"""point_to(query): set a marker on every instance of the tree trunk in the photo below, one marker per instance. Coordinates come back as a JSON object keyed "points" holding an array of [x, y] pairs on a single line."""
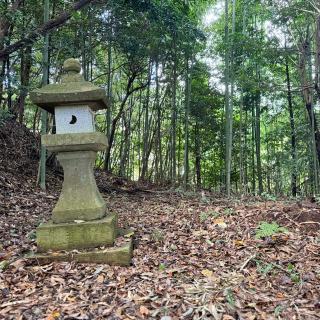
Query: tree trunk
{"points": [[174, 120], [253, 150], [317, 57], [242, 186], [126, 141], [186, 126], [158, 146], [145, 154], [293, 133], [109, 95], [258, 143], [305, 78], [24, 83], [197, 149], [228, 105], [44, 116]]}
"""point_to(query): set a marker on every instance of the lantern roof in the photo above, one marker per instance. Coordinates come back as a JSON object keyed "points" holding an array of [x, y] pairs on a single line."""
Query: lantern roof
{"points": [[72, 90]]}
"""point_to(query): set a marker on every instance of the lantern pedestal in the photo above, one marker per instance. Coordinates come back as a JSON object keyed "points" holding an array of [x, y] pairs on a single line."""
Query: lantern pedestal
{"points": [[80, 198], [79, 219]]}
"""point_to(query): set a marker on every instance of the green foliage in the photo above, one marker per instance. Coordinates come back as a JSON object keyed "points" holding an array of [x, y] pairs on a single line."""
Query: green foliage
{"points": [[157, 235], [268, 197], [278, 310], [32, 235], [139, 34], [293, 273], [230, 297], [5, 115], [264, 268], [266, 229], [162, 267], [205, 215], [4, 265], [229, 212]]}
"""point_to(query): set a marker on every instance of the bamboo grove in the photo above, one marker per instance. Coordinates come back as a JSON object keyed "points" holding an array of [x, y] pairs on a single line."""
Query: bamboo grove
{"points": [[219, 95]]}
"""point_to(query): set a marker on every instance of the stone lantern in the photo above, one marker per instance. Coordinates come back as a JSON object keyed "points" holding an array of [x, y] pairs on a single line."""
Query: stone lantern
{"points": [[79, 219]]}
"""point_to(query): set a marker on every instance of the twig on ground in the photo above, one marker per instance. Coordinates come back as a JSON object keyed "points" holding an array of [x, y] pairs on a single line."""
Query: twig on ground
{"points": [[247, 261]]}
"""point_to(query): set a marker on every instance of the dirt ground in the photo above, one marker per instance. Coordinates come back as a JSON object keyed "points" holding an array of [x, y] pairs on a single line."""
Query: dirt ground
{"points": [[196, 257]]}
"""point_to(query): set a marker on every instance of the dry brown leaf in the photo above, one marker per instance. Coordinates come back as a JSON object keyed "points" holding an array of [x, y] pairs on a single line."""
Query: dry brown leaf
{"points": [[144, 310], [207, 273], [100, 278]]}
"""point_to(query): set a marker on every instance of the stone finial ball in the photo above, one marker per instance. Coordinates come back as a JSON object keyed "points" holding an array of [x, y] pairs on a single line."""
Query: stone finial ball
{"points": [[72, 65]]}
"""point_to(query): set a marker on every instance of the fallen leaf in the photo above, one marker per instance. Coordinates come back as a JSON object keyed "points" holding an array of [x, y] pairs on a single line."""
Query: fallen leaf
{"points": [[239, 243], [54, 315], [220, 222], [207, 273], [144, 310], [100, 278]]}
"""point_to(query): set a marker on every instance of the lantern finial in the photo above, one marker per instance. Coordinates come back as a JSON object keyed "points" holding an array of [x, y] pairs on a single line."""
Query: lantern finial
{"points": [[72, 65]]}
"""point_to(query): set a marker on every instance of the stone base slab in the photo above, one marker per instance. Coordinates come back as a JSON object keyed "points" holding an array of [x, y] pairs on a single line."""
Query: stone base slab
{"points": [[77, 235], [119, 256]]}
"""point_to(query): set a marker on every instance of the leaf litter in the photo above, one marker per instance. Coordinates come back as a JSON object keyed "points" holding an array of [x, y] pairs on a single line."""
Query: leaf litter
{"points": [[196, 255], [184, 267]]}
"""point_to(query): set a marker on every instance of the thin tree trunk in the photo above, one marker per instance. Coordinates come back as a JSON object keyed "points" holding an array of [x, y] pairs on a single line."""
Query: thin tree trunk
{"points": [[197, 149], [174, 120], [228, 105], [145, 154], [243, 186], [9, 88], [317, 57], [253, 150], [126, 140], [293, 133], [186, 126], [158, 149], [44, 116], [305, 76], [139, 136], [258, 143], [179, 145], [241, 145], [246, 180], [107, 165], [2, 77], [24, 82]]}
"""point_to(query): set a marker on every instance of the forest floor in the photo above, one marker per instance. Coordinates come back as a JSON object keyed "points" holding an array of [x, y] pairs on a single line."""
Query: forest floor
{"points": [[196, 255]]}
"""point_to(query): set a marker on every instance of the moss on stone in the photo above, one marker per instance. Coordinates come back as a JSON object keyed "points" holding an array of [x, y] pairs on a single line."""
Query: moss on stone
{"points": [[77, 235], [89, 141]]}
